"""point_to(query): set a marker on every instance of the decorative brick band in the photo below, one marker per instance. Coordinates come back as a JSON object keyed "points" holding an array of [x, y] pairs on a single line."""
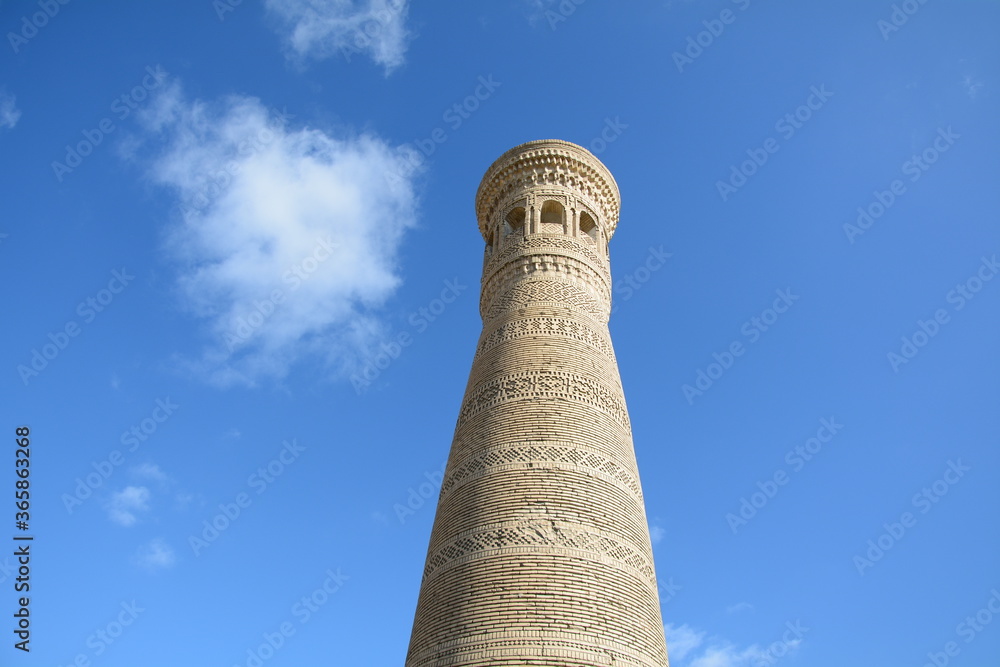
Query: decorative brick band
{"points": [[545, 267], [532, 536], [542, 243], [546, 326], [551, 293], [539, 455], [545, 384]]}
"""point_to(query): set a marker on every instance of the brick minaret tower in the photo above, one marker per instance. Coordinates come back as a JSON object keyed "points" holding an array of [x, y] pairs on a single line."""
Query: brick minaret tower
{"points": [[540, 552]]}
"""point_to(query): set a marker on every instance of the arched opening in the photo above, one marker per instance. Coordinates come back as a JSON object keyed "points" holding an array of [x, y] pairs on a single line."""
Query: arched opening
{"points": [[515, 221], [553, 217], [588, 227]]}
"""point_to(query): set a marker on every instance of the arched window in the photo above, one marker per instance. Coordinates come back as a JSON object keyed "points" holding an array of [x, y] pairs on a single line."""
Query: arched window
{"points": [[515, 221], [588, 227], [553, 217]]}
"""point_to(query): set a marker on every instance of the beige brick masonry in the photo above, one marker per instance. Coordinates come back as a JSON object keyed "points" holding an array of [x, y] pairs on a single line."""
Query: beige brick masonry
{"points": [[540, 551]]}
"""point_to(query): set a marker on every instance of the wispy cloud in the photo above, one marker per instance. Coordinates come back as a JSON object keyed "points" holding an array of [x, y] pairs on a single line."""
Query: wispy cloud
{"points": [[726, 655], [9, 113], [319, 29], [738, 607], [156, 555], [656, 534], [125, 505], [682, 640], [150, 471], [289, 240], [691, 647]]}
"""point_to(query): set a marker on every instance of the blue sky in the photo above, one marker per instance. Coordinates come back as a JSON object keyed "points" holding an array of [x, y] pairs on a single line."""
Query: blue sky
{"points": [[243, 269]]}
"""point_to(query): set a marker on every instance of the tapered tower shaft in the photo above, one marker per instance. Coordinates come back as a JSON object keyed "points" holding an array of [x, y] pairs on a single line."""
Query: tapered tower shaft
{"points": [[540, 552]]}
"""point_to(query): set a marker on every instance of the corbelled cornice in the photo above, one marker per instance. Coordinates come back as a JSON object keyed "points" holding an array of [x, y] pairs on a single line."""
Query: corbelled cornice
{"points": [[549, 162]]}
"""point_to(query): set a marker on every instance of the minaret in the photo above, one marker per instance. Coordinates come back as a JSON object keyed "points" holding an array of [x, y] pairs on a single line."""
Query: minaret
{"points": [[540, 551]]}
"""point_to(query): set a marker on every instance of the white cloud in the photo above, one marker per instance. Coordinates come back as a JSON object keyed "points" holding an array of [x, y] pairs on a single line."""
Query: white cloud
{"points": [[681, 640], [320, 29], [126, 504], [726, 655], [688, 647], [656, 534], [156, 555], [150, 471], [269, 210], [9, 113]]}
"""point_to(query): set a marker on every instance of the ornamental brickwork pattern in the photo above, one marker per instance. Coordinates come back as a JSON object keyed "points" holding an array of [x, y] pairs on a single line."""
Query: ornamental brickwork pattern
{"points": [[540, 551]]}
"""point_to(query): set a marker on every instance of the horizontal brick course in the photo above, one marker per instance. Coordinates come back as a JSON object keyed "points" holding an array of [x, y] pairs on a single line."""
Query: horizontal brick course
{"points": [[540, 551]]}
